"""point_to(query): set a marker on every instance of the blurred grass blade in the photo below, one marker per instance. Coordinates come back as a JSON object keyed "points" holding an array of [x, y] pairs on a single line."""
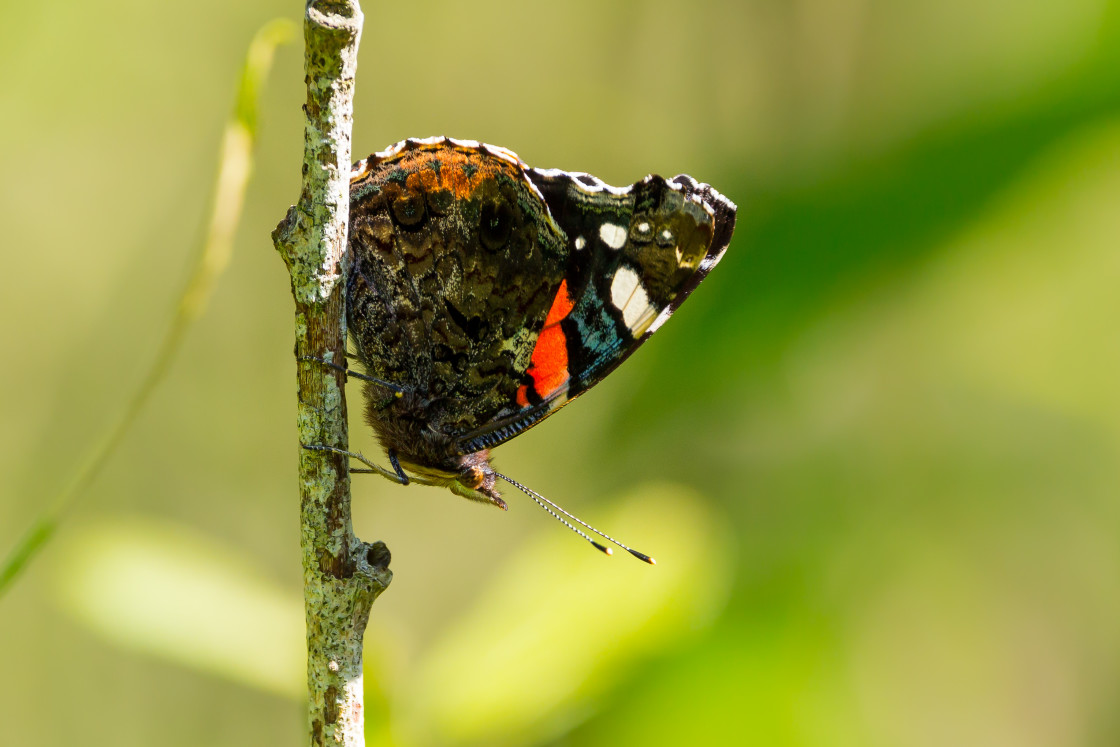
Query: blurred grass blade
{"points": [[35, 537], [212, 257]]}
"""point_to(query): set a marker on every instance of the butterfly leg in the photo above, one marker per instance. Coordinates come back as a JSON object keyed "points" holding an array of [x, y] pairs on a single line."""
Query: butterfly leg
{"points": [[397, 476], [397, 467], [397, 391]]}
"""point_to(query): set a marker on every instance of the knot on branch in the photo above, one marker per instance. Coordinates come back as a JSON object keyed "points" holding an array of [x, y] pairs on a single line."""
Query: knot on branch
{"points": [[308, 251], [378, 555], [371, 569], [372, 560], [285, 236]]}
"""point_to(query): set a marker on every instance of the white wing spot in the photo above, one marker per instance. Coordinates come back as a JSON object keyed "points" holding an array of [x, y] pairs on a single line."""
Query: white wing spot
{"points": [[580, 242], [612, 235], [623, 284], [629, 297]]}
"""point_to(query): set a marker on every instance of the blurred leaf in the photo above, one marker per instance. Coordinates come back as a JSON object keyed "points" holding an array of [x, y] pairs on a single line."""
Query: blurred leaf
{"points": [[953, 652], [758, 678], [1030, 296], [561, 624], [161, 590], [1012, 325]]}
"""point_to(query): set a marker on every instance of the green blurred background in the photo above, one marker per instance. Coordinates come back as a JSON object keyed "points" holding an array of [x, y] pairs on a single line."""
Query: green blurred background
{"points": [[875, 454]]}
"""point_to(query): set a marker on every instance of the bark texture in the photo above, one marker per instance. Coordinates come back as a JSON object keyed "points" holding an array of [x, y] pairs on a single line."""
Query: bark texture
{"points": [[342, 575]]}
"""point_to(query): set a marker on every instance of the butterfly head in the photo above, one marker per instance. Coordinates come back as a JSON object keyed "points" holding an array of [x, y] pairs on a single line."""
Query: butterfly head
{"points": [[476, 480], [469, 476]]}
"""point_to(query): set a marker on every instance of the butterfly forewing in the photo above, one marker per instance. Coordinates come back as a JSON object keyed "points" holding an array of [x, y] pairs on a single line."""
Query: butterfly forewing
{"points": [[634, 254]]}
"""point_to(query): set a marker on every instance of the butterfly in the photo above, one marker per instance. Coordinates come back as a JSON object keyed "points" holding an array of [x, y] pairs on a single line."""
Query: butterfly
{"points": [[482, 295]]}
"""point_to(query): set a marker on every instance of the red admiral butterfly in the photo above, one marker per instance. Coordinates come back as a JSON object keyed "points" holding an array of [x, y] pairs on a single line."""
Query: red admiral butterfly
{"points": [[483, 295]]}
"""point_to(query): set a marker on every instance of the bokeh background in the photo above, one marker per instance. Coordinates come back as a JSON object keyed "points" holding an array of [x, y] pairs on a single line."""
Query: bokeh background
{"points": [[875, 453]]}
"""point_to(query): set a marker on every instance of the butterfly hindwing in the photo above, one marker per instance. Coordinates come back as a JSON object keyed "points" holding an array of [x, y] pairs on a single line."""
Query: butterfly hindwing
{"points": [[634, 255], [454, 262]]}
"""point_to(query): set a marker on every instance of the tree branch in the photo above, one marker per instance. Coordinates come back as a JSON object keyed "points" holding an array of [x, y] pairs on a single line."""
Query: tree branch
{"points": [[342, 576]]}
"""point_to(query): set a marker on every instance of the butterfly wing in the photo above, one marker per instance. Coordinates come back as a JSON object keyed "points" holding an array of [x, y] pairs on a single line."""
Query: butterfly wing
{"points": [[634, 255], [454, 262]]}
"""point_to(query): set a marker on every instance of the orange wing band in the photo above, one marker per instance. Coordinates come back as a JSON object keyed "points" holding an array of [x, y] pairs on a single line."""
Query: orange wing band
{"points": [[549, 364]]}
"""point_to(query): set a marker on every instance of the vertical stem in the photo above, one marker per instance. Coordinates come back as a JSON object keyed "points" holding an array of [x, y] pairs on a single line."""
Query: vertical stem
{"points": [[342, 576]]}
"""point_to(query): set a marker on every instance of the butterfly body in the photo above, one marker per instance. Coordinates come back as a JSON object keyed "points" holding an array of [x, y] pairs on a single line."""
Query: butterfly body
{"points": [[490, 294]]}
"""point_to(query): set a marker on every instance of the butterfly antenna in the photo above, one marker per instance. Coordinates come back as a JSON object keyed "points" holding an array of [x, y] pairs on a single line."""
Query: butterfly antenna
{"points": [[541, 501]]}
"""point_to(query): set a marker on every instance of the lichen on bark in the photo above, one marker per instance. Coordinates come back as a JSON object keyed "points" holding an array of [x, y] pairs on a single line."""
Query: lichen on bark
{"points": [[342, 575]]}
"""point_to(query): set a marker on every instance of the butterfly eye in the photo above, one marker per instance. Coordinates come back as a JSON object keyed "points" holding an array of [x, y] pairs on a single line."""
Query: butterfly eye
{"points": [[497, 221], [472, 477]]}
